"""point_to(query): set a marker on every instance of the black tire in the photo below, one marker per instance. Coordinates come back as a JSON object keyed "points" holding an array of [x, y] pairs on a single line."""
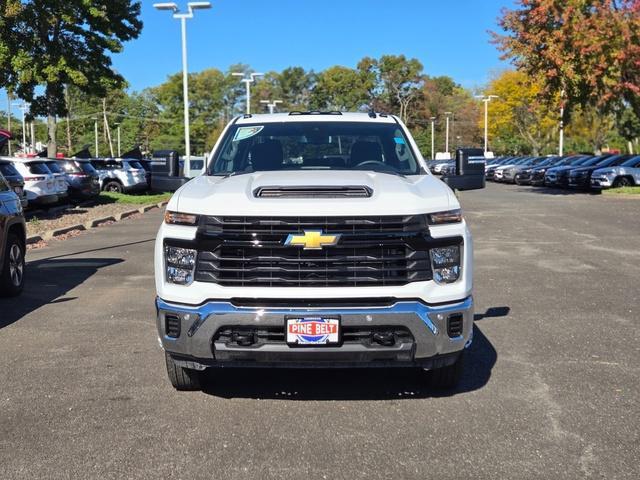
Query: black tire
{"points": [[182, 379], [13, 267], [113, 186], [446, 378], [622, 182]]}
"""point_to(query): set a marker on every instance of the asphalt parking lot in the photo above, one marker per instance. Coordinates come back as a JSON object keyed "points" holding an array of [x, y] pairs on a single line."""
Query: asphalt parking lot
{"points": [[551, 388]]}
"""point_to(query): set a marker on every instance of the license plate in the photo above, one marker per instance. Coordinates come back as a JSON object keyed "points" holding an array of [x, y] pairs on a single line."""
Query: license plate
{"points": [[313, 331]]}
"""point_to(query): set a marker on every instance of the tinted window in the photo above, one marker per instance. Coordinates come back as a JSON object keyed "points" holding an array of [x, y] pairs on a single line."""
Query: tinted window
{"points": [[315, 146], [4, 186], [38, 168], [8, 170], [136, 165], [54, 167], [87, 168], [69, 167]]}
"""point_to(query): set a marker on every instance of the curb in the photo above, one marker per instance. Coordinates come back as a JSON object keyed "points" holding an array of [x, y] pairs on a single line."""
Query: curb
{"points": [[48, 235]]}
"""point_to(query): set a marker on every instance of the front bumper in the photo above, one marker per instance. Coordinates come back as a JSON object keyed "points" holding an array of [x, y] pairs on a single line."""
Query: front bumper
{"points": [[579, 182], [200, 343], [601, 182]]}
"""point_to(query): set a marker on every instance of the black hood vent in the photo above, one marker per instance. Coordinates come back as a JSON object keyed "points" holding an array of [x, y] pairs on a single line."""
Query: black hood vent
{"points": [[357, 191]]}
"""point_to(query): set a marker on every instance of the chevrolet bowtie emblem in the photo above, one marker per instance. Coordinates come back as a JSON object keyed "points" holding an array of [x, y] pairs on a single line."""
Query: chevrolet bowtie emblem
{"points": [[312, 240]]}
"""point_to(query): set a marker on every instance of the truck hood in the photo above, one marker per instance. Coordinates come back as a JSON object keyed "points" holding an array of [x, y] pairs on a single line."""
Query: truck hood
{"points": [[391, 194]]}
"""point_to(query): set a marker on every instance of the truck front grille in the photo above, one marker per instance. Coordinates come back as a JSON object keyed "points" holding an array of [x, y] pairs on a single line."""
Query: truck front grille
{"points": [[372, 251]]}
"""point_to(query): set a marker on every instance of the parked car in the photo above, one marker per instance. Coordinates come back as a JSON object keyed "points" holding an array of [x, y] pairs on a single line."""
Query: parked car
{"points": [[83, 179], [509, 173], [524, 175], [436, 165], [146, 164], [12, 241], [581, 177], [538, 173], [62, 186], [491, 170], [498, 174], [624, 175], [14, 179], [120, 175], [559, 176], [39, 182]]}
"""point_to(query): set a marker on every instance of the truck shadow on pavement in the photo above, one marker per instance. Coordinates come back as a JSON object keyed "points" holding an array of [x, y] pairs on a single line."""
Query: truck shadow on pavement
{"points": [[354, 384], [46, 281]]}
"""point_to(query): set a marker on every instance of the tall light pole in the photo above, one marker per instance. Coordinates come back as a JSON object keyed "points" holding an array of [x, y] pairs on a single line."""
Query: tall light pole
{"points": [[118, 129], [446, 143], [248, 81], [24, 107], [433, 138], [271, 105], [486, 99], [171, 6], [95, 131], [9, 118], [561, 145]]}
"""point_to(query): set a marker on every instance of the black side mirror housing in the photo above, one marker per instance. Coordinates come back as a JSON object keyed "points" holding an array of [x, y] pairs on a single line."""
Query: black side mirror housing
{"points": [[470, 165]]}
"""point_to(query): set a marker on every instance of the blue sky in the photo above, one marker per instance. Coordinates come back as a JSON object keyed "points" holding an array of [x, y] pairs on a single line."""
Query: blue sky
{"points": [[448, 37]]}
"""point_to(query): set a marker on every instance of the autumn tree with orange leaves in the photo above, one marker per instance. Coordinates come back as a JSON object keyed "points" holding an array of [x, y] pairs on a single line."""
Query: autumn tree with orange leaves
{"points": [[586, 51]]}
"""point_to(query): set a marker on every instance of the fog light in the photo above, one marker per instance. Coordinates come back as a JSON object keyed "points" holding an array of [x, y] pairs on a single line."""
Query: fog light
{"points": [[181, 276], [447, 274]]}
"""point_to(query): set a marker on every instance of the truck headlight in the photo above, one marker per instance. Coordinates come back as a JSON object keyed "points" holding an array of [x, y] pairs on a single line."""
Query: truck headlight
{"points": [[445, 263], [177, 218], [180, 264], [450, 216]]}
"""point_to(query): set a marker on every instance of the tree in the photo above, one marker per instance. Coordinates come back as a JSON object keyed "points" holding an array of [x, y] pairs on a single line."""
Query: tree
{"points": [[339, 88], [520, 123], [586, 51], [56, 43], [394, 81]]}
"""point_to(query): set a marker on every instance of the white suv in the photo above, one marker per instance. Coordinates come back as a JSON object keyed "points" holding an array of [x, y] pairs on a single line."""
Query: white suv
{"points": [[120, 175], [40, 184], [315, 239]]}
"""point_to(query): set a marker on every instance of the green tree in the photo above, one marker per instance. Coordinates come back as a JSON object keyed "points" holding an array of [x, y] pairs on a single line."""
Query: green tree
{"points": [[55, 43], [339, 88]]}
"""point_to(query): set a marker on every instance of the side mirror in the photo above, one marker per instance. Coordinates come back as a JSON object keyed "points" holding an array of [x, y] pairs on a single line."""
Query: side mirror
{"points": [[470, 168]]}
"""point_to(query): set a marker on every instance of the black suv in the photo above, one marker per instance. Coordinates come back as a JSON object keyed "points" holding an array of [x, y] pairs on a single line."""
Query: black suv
{"points": [[12, 241]]}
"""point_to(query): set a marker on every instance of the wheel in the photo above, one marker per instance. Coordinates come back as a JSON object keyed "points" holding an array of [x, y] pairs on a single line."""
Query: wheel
{"points": [[113, 186], [446, 378], [12, 275], [621, 182], [182, 379]]}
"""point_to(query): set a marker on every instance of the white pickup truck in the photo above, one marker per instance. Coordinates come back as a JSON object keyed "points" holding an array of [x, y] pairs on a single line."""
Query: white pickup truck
{"points": [[314, 239]]}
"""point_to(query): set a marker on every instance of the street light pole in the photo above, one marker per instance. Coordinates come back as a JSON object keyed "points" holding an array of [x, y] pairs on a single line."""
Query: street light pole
{"points": [[486, 99], [271, 105], [433, 138], [118, 127], [95, 129], [446, 148], [248, 81], [185, 75], [561, 145], [23, 106]]}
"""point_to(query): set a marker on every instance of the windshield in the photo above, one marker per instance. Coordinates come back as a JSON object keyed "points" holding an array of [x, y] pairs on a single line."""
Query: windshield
{"points": [[632, 162], [315, 146]]}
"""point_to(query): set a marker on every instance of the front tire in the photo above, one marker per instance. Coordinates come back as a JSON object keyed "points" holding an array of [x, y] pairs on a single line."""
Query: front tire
{"points": [[621, 182], [12, 275], [447, 378], [182, 379]]}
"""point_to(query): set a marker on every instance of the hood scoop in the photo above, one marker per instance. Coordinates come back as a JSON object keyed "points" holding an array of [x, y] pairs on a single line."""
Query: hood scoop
{"points": [[329, 191]]}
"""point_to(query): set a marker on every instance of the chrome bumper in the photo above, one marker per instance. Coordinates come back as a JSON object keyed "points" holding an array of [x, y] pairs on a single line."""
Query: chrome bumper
{"points": [[199, 325]]}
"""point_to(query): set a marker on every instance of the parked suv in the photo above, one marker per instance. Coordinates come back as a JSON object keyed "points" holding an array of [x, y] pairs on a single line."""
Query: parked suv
{"points": [[315, 239], [14, 179], [39, 182], [626, 174], [118, 175], [62, 186], [12, 241], [83, 179]]}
